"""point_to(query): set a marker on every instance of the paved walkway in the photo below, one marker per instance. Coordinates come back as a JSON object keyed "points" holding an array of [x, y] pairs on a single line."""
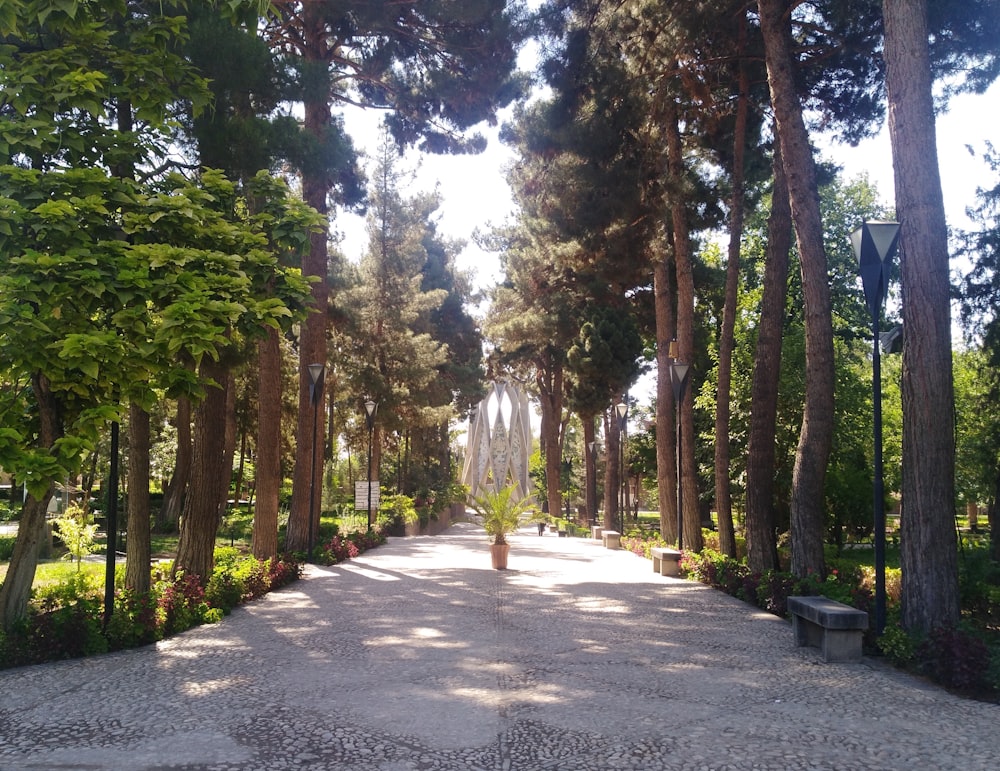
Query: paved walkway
{"points": [[418, 657]]}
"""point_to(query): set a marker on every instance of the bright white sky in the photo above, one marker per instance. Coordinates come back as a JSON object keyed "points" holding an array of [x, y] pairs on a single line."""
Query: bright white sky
{"points": [[475, 194]]}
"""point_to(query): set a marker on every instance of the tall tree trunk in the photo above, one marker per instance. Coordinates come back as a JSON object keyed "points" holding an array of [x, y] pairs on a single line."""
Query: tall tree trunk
{"points": [[31, 531], [816, 435], [312, 344], [267, 470], [590, 471], [137, 546], [992, 517], [206, 498], [173, 496], [723, 495], [762, 544], [928, 556], [666, 450], [550, 389], [685, 327], [612, 470]]}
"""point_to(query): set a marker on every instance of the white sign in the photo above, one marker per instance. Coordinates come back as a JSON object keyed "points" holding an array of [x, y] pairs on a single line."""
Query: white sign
{"points": [[361, 495]]}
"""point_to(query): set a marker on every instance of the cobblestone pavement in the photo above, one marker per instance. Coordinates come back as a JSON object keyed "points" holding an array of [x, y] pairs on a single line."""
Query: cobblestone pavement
{"points": [[418, 657]]}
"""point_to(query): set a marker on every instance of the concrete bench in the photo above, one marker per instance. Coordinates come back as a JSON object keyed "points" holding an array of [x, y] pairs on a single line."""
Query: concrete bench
{"points": [[612, 539], [831, 626], [666, 561], [596, 531]]}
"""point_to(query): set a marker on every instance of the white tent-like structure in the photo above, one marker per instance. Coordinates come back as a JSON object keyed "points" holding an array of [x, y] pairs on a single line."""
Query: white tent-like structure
{"points": [[499, 442]]}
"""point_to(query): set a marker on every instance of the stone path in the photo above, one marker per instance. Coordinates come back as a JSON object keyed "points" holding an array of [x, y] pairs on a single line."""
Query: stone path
{"points": [[418, 657]]}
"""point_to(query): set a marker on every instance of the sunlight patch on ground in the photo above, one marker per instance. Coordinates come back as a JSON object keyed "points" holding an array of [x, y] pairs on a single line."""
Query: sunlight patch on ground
{"points": [[375, 575], [206, 687]]}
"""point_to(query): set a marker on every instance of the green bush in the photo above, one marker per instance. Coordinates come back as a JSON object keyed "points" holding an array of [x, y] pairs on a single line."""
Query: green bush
{"points": [[66, 616], [6, 547], [897, 645]]}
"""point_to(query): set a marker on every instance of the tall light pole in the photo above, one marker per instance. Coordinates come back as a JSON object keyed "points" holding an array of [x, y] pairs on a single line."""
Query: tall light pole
{"points": [[874, 244], [315, 393], [621, 410], [371, 408], [678, 380]]}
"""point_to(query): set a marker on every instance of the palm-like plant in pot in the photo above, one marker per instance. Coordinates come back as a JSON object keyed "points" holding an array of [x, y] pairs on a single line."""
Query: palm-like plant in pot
{"points": [[503, 511]]}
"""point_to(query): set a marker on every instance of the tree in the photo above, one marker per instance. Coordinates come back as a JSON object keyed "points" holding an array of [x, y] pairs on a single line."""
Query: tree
{"points": [[385, 330], [980, 300], [762, 544], [817, 420], [928, 556], [438, 68], [601, 363]]}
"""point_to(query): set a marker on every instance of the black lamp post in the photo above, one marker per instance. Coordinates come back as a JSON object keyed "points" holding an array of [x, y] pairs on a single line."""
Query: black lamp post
{"points": [[678, 379], [112, 528], [315, 391], [621, 409], [874, 245], [370, 409]]}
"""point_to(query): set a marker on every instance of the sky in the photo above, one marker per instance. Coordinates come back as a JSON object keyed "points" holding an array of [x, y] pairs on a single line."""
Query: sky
{"points": [[475, 194]]}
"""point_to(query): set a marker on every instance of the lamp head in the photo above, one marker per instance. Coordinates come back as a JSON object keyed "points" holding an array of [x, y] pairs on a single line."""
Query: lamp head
{"points": [[875, 243]]}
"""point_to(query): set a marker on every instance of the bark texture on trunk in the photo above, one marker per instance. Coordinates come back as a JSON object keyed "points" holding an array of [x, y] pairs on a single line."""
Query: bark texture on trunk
{"points": [[685, 328], [666, 449], [206, 499], [816, 435], [929, 553], [550, 388], [32, 530], [612, 470], [267, 470], [173, 496], [137, 545], [312, 343], [762, 545], [723, 494], [590, 484]]}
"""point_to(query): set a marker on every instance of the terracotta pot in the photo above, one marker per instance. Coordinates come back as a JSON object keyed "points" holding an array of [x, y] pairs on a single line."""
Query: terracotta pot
{"points": [[499, 552]]}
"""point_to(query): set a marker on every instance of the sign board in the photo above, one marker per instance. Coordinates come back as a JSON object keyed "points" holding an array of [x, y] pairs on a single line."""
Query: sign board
{"points": [[361, 495]]}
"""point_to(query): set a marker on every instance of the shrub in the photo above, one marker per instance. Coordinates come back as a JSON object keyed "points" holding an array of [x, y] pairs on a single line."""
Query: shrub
{"points": [[224, 591], [181, 604], [65, 618], [955, 658], [897, 645], [134, 622], [6, 547]]}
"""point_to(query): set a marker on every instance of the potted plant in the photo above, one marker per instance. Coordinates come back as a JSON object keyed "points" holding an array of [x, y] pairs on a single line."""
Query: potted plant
{"points": [[502, 511]]}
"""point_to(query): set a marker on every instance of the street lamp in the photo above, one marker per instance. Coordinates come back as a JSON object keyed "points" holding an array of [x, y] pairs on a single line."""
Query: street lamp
{"points": [[621, 409], [315, 392], [370, 409], [874, 244], [678, 379]]}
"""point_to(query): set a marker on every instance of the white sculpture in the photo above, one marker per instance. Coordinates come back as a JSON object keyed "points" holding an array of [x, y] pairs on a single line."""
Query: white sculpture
{"points": [[499, 442]]}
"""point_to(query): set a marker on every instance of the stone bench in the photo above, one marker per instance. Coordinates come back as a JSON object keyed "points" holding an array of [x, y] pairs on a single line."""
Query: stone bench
{"points": [[596, 532], [666, 561], [612, 539], [836, 629]]}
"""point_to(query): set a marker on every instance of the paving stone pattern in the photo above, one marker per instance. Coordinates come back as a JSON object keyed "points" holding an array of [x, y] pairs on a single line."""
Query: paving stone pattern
{"points": [[418, 657]]}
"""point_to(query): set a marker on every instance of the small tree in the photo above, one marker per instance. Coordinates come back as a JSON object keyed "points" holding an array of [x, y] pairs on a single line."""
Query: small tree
{"points": [[76, 534]]}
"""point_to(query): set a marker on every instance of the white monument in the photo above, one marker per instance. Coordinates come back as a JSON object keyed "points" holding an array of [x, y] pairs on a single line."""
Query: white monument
{"points": [[499, 441]]}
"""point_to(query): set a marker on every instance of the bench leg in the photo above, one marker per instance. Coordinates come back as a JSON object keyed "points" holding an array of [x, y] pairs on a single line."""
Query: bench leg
{"points": [[806, 632], [842, 645], [656, 564], [671, 568]]}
